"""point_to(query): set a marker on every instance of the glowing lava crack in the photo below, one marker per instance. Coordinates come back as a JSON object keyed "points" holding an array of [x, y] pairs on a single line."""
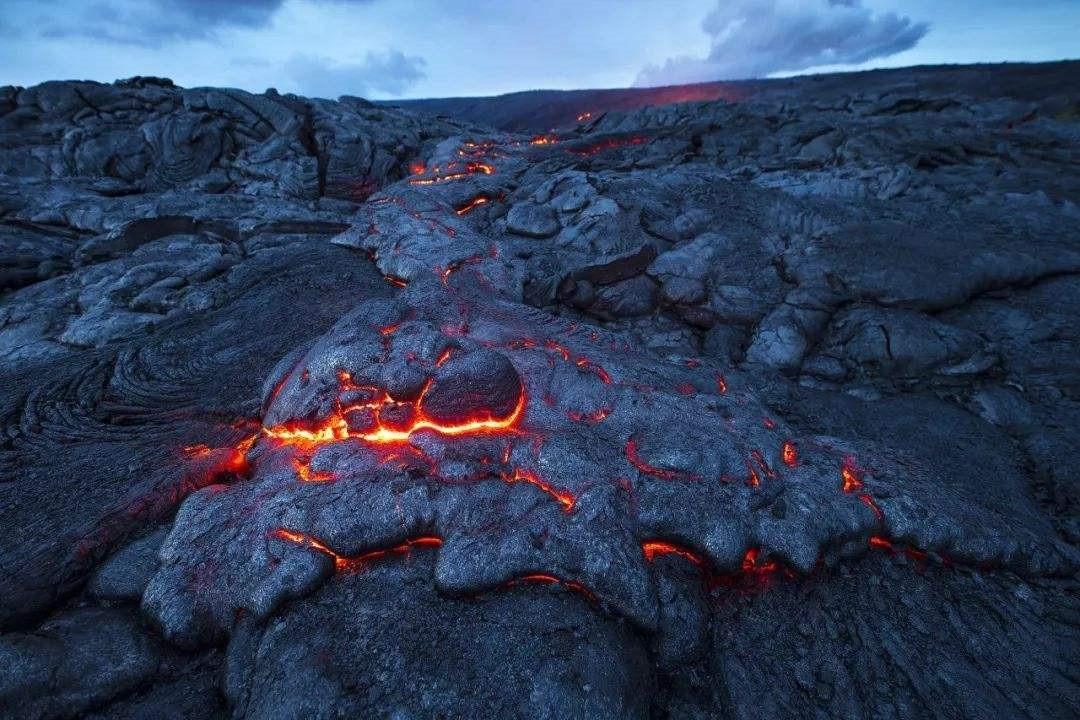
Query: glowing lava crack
{"points": [[336, 427]]}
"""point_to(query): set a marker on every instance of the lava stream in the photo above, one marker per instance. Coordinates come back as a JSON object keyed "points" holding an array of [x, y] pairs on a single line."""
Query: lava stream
{"points": [[344, 563], [454, 171], [634, 456], [336, 427]]}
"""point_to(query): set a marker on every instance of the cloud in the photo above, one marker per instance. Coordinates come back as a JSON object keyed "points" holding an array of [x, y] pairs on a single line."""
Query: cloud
{"points": [[150, 23], [755, 38], [391, 72]]}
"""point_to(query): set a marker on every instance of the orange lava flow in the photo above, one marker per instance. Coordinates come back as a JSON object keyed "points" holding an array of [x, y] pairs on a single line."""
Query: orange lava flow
{"points": [[789, 454], [753, 571], [561, 349], [654, 548], [335, 427], [642, 466], [197, 451], [444, 273], [545, 579], [589, 366], [355, 562], [868, 501], [471, 205], [879, 542], [593, 417], [476, 149], [850, 476], [759, 458], [304, 540], [751, 565], [223, 460], [306, 474], [454, 171], [752, 477], [563, 497]]}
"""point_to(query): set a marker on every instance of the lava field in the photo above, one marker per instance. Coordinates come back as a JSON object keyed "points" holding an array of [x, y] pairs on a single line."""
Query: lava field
{"points": [[763, 407]]}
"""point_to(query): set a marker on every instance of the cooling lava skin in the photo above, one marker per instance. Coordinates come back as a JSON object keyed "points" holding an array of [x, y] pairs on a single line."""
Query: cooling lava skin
{"points": [[758, 407]]}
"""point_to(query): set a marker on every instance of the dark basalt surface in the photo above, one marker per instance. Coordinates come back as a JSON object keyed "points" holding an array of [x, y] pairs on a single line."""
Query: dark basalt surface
{"points": [[712, 410]]}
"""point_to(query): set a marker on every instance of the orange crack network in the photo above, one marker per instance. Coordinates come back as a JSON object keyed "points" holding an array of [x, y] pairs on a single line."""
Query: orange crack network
{"points": [[454, 171], [336, 427]]}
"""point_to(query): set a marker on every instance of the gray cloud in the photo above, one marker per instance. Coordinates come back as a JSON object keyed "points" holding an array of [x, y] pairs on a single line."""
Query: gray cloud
{"points": [[391, 72], [152, 22], [754, 38]]}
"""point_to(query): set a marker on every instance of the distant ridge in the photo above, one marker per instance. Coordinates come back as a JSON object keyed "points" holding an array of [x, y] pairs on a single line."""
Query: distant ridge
{"points": [[544, 110]]}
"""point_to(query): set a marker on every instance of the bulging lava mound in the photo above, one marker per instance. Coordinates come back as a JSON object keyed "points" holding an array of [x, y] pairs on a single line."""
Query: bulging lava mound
{"points": [[522, 448]]}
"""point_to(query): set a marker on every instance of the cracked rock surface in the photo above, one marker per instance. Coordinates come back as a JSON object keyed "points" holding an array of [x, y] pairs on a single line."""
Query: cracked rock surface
{"points": [[715, 410]]}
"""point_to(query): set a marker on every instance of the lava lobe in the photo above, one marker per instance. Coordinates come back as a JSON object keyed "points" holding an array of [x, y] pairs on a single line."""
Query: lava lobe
{"points": [[482, 384]]}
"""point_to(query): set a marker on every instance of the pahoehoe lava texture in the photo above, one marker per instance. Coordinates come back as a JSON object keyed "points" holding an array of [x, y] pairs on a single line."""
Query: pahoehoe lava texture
{"points": [[712, 410]]}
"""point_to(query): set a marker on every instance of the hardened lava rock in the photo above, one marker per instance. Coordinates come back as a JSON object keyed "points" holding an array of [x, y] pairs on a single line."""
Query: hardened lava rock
{"points": [[747, 409], [526, 448]]}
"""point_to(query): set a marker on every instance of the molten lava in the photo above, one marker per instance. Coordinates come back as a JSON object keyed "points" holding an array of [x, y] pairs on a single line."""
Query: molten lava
{"points": [[454, 171], [634, 456], [336, 427], [472, 204], [752, 565], [564, 498], [752, 477], [306, 474], [879, 542], [753, 573], [344, 563], [561, 349], [477, 149], [653, 548], [850, 475], [545, 579], [221, 461], [759, 459], [589, 366], [789, 454], [597, 415], [868, 501], [445, 272]]}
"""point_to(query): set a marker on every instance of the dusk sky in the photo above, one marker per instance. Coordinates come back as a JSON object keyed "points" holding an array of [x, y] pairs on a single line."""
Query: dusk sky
{"points": [[435, 48]]}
